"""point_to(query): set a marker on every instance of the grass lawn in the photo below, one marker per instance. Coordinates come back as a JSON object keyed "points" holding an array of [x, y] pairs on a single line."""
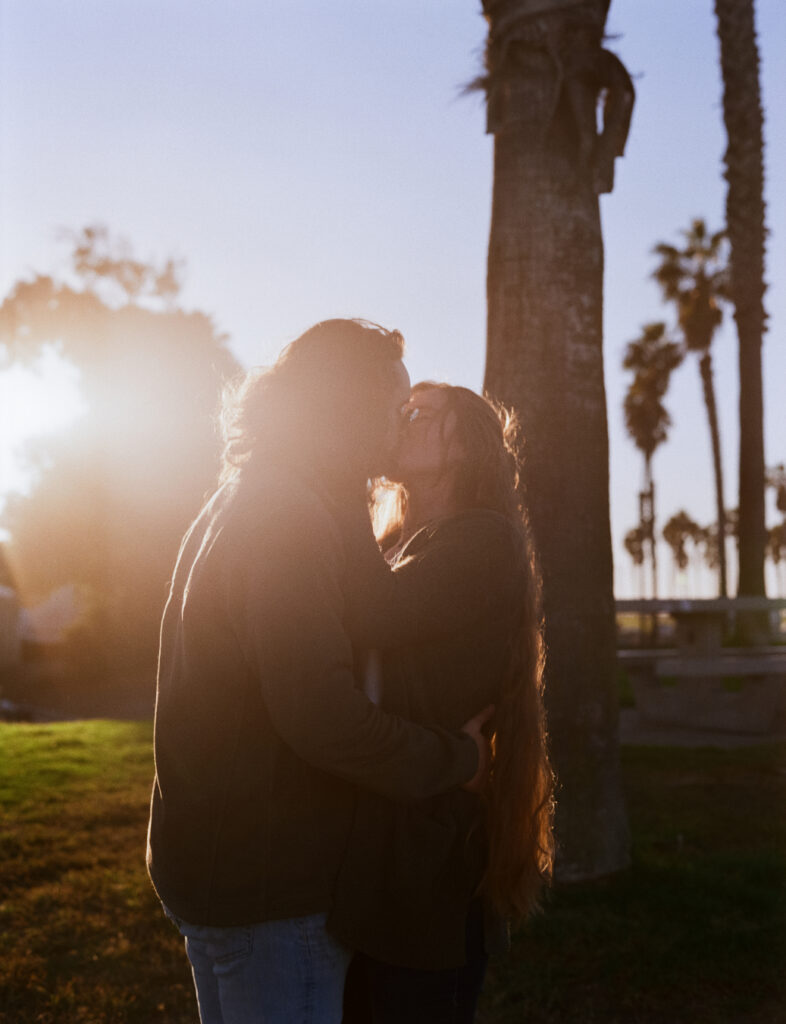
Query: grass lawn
{"points": [[695, 932]]}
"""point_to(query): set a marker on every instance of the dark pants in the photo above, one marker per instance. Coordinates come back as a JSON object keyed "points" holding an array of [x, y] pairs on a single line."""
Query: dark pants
{"points": [[379, 993]]}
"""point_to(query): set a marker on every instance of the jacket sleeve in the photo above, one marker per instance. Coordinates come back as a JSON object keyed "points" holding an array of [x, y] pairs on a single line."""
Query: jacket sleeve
{"points": [[290, 606], [468, 568]]}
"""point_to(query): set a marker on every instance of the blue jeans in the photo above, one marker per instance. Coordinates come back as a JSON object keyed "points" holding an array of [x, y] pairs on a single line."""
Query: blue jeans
{"points": [[276, 972]]}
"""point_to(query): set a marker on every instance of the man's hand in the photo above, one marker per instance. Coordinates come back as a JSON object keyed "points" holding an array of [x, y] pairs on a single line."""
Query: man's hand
{"points": [[474, 728]]}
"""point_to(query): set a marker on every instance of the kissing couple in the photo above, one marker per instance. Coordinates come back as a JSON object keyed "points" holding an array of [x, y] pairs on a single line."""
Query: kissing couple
{"points": [[353, 795]]}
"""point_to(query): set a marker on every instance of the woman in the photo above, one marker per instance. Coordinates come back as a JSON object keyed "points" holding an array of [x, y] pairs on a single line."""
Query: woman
{"points": [[424, 887]]}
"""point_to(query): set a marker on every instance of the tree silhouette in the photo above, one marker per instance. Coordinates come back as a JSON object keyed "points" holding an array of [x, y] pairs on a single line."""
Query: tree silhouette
{"points": [[743, 116], [680, 529], [119, 486], [634, 541], [709, 538], [776, 479], [776, 550], [695, 279], [776, 535], [547, 78], [103, 262], [634, 544], [652, 357]]}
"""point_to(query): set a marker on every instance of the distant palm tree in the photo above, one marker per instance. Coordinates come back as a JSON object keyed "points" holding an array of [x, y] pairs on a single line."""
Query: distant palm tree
{"points": [[680, 529], [695, 279], [652, 357], [776, 551], [634, 545], [710, 538], [776, 535], [742, 113], [776, 479]]}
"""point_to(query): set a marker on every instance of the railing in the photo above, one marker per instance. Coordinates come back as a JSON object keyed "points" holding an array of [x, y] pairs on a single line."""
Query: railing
{"points": [[699, 682]]}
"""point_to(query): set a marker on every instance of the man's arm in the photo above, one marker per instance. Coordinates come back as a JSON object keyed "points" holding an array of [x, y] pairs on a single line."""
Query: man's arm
{"points": [[288, 600]]}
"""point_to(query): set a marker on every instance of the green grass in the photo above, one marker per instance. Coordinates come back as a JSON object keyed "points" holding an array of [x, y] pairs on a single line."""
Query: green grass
{"points": [[82, 938], [695, 932]]}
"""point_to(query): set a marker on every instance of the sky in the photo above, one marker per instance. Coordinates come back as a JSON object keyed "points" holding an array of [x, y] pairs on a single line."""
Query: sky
{"points": [[316, 159]]}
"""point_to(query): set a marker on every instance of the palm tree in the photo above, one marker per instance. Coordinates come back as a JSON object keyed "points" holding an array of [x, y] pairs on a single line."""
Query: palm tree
{"points": [[776, 550], [634, 541], [652, 357], [634, 544], [695, 279], [776, 535], [680, 529], [742, 113], [776, 479], [710, 538], [545, 76]]}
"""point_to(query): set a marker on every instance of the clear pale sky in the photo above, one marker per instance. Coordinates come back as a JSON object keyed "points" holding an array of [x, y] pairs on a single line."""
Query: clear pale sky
{"points": [[314, 159]]}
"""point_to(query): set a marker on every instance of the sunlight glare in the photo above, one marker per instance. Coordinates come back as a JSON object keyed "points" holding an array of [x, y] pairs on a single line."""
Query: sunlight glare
{"points": [[34, 401]]}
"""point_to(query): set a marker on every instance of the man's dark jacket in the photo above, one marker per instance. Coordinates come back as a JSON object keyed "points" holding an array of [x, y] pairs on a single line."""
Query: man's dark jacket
{"points": [[260, 730]]}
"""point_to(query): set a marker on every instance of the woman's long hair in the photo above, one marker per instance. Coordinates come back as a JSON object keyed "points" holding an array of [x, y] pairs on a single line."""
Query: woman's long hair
{"points": [[521, 783]]}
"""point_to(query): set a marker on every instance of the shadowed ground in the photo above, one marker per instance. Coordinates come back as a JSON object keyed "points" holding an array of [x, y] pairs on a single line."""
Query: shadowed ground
{"points": [[695, 932]]}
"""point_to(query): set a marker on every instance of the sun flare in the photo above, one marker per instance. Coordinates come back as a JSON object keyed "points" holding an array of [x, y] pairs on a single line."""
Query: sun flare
{"points": [[34, 401]]}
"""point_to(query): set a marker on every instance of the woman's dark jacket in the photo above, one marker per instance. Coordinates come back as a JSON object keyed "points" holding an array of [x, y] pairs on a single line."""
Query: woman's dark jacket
{"points": [[260, 732], [446, 623]]}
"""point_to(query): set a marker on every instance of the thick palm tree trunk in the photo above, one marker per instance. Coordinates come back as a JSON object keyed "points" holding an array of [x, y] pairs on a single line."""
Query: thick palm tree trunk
{"points": [[708, 387], [545, 304], [742, 113]]}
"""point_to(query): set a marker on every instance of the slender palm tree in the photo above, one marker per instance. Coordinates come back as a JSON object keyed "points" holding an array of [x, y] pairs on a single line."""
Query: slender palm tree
{"points": [[652, 357], [680, 529], [742, 113], [695, 280], [546, 74], [711, 538], [776, 551], [776, 535], [776, 479], [634, 544]]}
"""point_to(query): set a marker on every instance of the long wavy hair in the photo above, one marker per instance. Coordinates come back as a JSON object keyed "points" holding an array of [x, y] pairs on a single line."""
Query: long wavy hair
{"points": [[520, 795], [322, 406]]}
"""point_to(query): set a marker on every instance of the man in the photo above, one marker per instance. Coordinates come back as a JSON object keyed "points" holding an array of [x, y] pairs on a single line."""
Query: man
{"points": [[261, 733]]}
